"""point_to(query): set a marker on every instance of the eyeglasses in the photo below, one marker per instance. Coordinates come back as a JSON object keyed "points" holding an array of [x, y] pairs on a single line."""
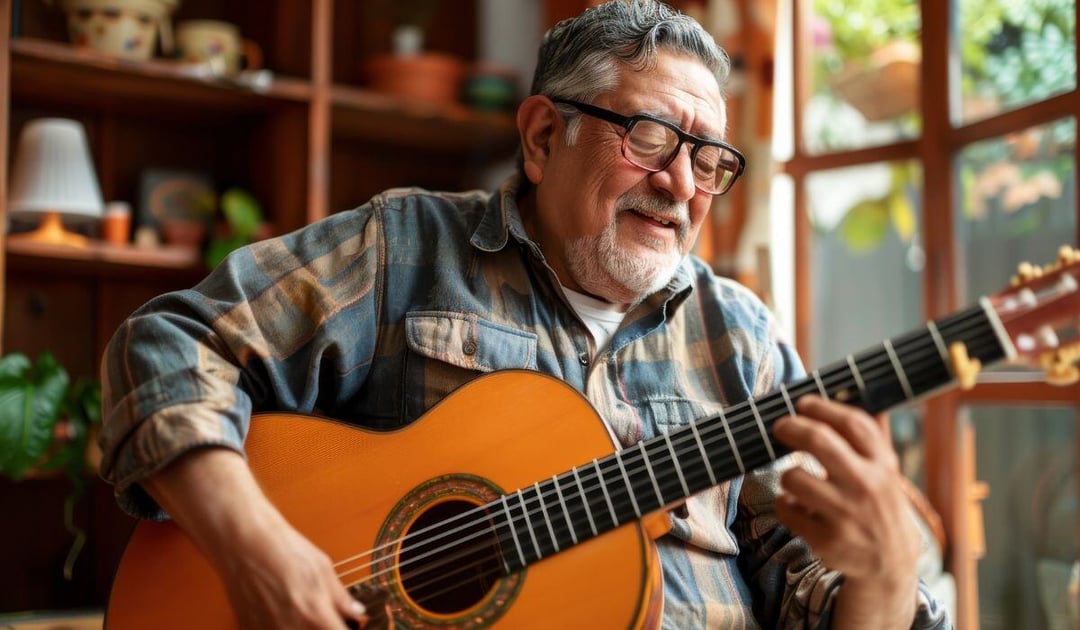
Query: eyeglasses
{"points": [[652, 144]]}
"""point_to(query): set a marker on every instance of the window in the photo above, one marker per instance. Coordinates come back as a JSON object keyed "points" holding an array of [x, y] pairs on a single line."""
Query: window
{"points": [[935, 150]]}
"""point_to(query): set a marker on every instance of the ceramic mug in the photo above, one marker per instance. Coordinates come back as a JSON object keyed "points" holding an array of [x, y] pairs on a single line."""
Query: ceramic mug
{"points": [[216, 43], [124, 28]]}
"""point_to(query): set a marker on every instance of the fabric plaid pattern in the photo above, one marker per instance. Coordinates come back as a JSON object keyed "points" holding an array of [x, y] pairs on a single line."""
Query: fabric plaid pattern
{"points": [[373, 315]]}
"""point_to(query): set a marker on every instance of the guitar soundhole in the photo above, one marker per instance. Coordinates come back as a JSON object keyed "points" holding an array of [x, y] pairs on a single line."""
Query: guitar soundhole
{"points": [[449, 562]]}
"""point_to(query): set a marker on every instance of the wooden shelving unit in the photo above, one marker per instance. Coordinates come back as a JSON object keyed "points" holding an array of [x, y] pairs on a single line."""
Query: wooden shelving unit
{"points": [[312, 141]]}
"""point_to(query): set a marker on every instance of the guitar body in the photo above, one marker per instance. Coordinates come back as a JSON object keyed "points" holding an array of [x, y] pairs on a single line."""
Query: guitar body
{"points": [[351, 491]]}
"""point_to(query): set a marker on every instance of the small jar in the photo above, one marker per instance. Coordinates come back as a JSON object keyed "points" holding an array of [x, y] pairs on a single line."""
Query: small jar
{"points": [[116, 223]]}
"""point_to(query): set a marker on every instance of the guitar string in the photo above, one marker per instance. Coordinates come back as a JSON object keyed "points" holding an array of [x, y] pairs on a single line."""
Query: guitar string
{"points": [[540, 497], [829, 376], [868, 369], [444, 576]]}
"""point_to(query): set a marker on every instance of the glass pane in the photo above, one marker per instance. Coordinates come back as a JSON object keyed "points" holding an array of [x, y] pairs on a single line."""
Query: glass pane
{"points": [[866, 251], [864, 75], [1013, 53], [1029, 577], [1017, 203]]}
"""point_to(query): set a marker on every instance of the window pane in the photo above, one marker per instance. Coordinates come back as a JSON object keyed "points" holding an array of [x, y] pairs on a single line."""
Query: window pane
{"points": [[1029, 577], [1013, 53], [867, 252], [864, 74], [1017, 203]]}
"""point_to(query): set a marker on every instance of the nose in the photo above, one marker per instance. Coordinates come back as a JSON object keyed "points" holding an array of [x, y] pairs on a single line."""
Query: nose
{"points": [[677, 180]]}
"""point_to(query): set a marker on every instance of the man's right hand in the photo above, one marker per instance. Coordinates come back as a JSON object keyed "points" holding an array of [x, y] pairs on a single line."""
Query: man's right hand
{"points": [[274, 576]]}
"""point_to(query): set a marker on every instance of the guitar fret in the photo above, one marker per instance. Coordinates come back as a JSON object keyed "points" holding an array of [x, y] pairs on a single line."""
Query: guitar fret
{"points": [[855, 372], [761, 427], [629, 486], [513, 531], [899, 370], [787, 399], [652, 476], [731, 440], [603, 487], [676, 464], [528, 524], [704, 454], [585, 501], [820, 385], [547, 519], [565, 510], [940, 343]]}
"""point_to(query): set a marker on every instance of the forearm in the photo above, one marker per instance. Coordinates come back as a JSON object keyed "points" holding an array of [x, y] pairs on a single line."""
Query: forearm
{"points": [[213, 496]]}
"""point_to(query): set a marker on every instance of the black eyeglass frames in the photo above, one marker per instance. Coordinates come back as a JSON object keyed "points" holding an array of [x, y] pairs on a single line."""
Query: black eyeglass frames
{"points": [[652, 144]]}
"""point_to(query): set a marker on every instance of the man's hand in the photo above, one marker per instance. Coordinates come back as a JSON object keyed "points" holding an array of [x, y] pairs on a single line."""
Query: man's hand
{"points": [[274, 576], [857, 519]]}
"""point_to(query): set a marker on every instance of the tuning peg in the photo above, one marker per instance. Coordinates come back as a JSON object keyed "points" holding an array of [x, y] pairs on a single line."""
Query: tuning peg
{"points": [[1026, 272], [1059, 365], [1067, 255], [965, 369]]}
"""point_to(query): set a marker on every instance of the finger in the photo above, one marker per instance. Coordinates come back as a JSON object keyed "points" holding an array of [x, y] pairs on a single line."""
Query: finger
{"points": [[803, 523], [349, 607], [855, 425], [831, 450], [815, 494]]}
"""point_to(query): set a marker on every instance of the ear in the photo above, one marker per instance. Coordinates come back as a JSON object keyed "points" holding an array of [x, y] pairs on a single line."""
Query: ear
{"points": [[537, 121]]}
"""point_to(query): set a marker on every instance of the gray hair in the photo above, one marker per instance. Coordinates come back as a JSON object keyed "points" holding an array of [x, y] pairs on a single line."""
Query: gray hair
{"points": [[580, 57]]}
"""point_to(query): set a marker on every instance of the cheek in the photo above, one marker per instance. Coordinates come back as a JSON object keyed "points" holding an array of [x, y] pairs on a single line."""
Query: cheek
{"points": [[699, 212]]}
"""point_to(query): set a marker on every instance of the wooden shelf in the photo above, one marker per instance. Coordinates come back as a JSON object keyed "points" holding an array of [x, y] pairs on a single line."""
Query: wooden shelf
{"points": [[366, 115], [94, 80], [100, 258]]}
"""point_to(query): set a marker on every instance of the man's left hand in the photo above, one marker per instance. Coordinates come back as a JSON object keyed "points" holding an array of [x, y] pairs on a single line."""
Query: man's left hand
{"points": [[857, 519]]}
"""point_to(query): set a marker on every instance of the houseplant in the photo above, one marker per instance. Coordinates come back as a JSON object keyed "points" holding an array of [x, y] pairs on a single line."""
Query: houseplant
{"points": [[46, 423]]}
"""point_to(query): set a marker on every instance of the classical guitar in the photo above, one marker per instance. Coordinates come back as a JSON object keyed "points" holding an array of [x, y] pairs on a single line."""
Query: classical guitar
{"points": [[500, 504]]}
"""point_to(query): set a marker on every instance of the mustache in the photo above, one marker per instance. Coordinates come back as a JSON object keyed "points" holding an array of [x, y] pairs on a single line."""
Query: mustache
{"points": [[676, 211]]}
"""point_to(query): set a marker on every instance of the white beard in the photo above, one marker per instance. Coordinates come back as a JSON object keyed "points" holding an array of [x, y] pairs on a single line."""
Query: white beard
{"points": [[601, 267]]}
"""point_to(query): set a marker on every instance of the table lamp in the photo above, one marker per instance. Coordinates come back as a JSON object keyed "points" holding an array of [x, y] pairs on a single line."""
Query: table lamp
{"points": [[54, 179]]}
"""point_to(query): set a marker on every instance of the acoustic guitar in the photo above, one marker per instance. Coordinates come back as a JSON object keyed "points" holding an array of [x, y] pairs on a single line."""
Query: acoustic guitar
{"points": [[500, 504]]}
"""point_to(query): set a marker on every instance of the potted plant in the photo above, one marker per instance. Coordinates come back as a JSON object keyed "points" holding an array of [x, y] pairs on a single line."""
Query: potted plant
{"points": [[46, 424]]}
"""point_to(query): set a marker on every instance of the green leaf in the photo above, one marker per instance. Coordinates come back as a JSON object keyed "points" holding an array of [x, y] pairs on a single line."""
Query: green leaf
{"points": [[30, 403], [902, 215], [242, 212], [865, 225]]}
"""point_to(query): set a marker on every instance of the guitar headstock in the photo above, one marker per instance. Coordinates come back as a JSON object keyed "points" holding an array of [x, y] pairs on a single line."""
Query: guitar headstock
{"points": [[1040, 313]]}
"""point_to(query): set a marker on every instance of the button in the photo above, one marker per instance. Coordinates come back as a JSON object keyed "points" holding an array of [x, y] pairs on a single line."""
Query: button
{"points": [[469, 348], [584, 358]]}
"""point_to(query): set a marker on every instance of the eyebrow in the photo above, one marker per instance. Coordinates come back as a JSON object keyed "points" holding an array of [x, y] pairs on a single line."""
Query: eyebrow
{"points": [[704, 136]]}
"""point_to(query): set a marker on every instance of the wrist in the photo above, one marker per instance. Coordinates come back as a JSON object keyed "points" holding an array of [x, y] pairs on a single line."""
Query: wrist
{"points": [[887, 603]]}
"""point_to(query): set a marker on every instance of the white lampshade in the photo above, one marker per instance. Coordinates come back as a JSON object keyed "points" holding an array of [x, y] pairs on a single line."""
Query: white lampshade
{"points": [[54, 172]]}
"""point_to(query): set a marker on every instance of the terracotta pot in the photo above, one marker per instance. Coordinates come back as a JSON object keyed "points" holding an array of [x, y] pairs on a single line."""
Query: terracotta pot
{"points": [[430, 77], [886, 85]]}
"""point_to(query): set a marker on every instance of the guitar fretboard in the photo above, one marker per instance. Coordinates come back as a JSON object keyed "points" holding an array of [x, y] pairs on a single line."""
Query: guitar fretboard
{"points": [[598, 496]]}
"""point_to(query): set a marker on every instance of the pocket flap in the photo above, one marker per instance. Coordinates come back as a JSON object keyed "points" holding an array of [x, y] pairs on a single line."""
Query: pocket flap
{"points": [[469, 341]]}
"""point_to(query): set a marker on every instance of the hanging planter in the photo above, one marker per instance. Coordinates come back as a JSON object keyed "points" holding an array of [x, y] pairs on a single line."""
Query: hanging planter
{"points": [[884, 86]]}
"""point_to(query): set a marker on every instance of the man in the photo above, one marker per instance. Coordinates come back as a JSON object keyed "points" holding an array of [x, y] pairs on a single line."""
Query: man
{"points": [[577, 267]]}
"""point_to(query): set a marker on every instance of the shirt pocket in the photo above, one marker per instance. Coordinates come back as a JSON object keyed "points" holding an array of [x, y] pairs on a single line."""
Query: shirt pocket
{"points": [[706, 518], [448, 349]]}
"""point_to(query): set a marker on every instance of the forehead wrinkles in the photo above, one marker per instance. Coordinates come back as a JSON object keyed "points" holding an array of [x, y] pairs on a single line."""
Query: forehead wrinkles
{"points": [[678, 89]]}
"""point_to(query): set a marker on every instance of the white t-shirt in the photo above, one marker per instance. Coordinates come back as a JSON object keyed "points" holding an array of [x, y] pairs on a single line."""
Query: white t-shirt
{"points": [[602, 318]]}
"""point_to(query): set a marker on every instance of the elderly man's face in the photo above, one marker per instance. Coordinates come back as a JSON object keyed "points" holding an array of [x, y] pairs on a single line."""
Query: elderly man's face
{"points": [[613, 229]]}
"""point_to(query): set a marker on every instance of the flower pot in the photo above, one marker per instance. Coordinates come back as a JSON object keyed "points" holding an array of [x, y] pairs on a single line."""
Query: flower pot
{"points": [[886, 85], [430, 77], [123, 28]]}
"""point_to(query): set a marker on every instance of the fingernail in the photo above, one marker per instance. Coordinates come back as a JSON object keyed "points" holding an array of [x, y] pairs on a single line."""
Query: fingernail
{"points": [[358, 609]]}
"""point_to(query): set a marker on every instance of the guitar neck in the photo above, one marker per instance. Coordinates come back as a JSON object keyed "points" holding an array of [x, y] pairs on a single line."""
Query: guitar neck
{"points": [[600, 495]]}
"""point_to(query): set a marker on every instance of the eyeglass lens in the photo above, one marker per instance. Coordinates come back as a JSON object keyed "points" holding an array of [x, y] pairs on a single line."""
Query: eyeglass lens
{"points": [[651, 146]]}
